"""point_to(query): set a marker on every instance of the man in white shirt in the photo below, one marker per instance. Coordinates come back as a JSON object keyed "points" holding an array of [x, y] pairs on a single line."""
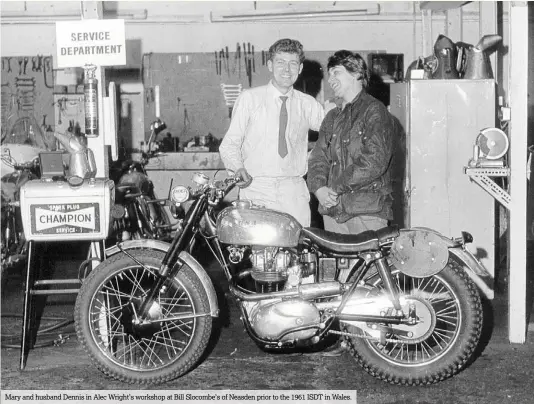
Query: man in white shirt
{"points": [[267, 141]]}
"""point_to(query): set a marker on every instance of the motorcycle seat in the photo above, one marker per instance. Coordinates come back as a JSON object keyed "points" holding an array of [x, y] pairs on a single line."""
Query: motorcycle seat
{"points": [[387, 233], [342, 243]]}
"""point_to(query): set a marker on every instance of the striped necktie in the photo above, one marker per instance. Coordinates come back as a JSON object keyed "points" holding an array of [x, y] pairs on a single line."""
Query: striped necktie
{"points": [[282, 145]]}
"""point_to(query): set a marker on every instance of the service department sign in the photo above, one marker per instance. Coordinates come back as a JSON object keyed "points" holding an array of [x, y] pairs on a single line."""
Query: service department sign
{"points": [[92, 42], [65, 218]]}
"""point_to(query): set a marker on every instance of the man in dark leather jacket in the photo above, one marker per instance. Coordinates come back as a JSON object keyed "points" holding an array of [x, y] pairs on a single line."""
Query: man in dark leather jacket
{"points": [[349, 167]]}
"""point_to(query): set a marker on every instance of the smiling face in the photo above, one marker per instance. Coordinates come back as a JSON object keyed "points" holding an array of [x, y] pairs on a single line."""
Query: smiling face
{"points": [[285, 69], [345, 84]]}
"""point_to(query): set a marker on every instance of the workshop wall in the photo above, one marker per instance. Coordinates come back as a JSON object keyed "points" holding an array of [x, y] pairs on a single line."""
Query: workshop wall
{"points": [[184, 28], [27, 91], [197, 90]]}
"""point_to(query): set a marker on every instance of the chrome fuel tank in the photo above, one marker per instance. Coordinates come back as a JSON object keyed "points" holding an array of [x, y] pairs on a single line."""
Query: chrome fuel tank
{"points": [[245, 224]]}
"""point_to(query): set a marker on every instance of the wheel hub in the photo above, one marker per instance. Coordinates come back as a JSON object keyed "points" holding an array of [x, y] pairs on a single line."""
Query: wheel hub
{"points": [[141, 327], [425, 320]]}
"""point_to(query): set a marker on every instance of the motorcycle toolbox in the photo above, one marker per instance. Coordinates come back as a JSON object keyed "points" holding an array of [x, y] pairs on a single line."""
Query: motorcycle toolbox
{"points": [[419, 252], [56, 211]]}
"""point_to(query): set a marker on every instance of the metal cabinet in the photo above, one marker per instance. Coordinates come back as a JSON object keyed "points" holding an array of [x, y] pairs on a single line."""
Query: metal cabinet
{"points": [[442, 119]]}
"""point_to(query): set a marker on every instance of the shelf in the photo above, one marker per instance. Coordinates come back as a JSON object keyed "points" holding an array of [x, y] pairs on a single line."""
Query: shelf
{"points": [[482, 177]]}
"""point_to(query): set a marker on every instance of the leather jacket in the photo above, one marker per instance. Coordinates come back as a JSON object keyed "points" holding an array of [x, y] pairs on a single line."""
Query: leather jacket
{"points": [[353, 157]]}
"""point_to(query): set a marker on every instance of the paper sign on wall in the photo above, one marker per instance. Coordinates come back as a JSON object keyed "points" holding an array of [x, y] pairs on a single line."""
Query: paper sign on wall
{"points": [[94, 42]]}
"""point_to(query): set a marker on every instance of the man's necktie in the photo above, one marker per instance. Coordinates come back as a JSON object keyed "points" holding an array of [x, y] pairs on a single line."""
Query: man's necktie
{"points": [[282, 145]]}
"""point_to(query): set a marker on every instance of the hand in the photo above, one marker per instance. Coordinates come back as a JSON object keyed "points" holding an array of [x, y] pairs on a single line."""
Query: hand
{"points": [[246, 179], [327, 197]]}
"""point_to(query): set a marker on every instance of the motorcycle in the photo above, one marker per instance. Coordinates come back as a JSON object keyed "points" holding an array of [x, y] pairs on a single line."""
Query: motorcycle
{"points": [[405, 301], [137, 213], [21, 144], [14, 245]]}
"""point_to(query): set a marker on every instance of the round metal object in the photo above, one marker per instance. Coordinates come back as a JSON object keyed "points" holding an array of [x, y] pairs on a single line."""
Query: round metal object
{"points": [[179, 194], [419, 253]]}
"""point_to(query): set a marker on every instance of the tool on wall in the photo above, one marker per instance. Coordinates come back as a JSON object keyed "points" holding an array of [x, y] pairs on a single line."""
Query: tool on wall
{"points": [[239, 59], [236, 59], [39, 62], [217, 63], [25, 93], [253, 60], [227, 61], [221, 56], [230, 94], [249, 65], [47, 68], [25, 64], [8, 60], [90, 92]]}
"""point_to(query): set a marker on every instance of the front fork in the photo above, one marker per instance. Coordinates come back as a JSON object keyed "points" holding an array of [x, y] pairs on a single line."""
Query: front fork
{"points": [[180, 243]]}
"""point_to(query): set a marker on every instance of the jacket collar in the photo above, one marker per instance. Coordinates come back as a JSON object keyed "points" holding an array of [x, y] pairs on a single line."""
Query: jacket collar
{"points": [[356, 99]]}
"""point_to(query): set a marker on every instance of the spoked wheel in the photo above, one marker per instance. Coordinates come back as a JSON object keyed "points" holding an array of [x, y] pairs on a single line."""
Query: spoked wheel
{"points": [[160, 347], [449, 320]]}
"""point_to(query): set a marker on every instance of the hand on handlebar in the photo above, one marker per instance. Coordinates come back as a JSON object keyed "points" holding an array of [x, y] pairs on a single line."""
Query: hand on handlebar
{"points": [[246, 179]]}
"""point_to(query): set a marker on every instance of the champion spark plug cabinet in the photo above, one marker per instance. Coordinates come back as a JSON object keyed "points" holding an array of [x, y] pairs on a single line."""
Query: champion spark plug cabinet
{"points": [[56, 211]]}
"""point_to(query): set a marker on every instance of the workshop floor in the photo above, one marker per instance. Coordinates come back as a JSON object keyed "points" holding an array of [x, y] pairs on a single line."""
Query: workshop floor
{"points": [[502, 373]]}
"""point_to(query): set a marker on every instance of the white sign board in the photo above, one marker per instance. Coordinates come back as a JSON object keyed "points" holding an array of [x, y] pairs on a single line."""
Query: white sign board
{"points": [[93, 42]]}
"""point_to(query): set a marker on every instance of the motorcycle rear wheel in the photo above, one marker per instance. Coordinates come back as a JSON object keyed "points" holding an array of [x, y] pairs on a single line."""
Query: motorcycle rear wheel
{"points": [[452, 311], [143, 354]]}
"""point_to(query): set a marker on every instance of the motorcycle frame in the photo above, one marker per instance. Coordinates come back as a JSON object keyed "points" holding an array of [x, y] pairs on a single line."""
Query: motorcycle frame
{"points": [[177, 254]]}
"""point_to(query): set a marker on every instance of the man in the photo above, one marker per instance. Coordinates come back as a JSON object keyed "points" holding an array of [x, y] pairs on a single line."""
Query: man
{"points": [[349, 167], [268, 135]]}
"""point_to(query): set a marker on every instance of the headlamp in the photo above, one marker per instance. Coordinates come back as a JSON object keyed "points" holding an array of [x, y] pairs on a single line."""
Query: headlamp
{"points": [[179, 194]]}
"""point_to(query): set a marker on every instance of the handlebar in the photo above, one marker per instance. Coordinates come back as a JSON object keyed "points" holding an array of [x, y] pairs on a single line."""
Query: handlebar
{"points": [[11, 162]]}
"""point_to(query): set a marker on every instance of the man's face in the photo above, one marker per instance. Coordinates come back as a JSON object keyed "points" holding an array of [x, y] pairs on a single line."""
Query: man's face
{"points": [[340, 80], [285, 68]]}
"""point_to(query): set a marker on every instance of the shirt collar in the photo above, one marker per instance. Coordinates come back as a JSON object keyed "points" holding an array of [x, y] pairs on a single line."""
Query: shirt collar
{"points": [[275, 93]]}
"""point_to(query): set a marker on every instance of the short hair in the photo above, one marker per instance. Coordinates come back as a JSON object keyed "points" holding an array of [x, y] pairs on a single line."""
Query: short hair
{"points": [[286, 45], [353, 62]]}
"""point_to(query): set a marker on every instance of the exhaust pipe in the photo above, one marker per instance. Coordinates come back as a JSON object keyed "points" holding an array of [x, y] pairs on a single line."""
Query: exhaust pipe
{"points": [[305, 292]]}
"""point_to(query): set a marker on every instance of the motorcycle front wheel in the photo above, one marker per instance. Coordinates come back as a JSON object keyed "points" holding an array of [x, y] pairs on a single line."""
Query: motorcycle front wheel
{"points": [[165, 345], [449, 323]]}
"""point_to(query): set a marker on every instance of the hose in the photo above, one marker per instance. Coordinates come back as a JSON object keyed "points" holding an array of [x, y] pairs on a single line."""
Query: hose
{"points": [[9, 340]]}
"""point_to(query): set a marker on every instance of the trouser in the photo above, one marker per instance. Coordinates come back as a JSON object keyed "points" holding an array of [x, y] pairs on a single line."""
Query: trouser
{"points": [[355, 225], [286, 194]]}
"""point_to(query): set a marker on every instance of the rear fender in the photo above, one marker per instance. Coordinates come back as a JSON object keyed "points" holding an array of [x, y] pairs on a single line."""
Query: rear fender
{"points": [[473, 267], [184, 256]]}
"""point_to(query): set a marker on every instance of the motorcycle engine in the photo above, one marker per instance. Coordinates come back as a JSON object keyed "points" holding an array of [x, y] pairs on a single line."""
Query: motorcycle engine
{"points": [[276, 320], [275, 268], [269, 268]]}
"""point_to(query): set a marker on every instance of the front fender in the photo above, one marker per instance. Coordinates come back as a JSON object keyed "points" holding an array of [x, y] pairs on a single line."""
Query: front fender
{"points": [[184, 256]]}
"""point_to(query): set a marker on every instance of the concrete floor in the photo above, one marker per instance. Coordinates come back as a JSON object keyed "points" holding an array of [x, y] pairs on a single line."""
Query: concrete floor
{"points": [[502, 373]]}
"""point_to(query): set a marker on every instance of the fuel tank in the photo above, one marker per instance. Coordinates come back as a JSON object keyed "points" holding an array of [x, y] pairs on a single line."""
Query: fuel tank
{"points": [[245, 224]]}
